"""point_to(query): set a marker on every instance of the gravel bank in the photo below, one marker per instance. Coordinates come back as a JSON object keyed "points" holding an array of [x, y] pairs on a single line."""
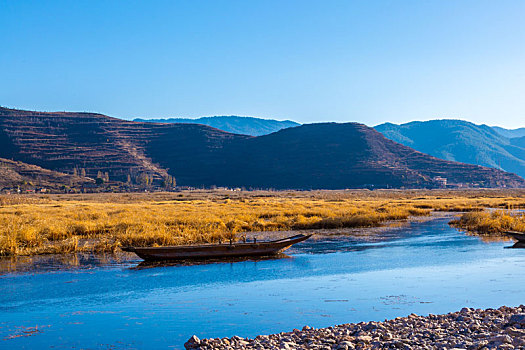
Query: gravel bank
{"points": [[502, 328]]}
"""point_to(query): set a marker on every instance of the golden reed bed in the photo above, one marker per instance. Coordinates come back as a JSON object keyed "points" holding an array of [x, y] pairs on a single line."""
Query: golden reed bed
{"points": [[103, 222], [491, 222]]}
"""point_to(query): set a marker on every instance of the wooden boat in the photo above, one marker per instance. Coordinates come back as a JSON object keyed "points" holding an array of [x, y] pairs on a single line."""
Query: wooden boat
{"points": [[519, 236], [205, 251]]}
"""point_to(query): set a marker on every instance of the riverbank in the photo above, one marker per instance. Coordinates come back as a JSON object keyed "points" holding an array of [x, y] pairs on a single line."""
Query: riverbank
{"points": [[331, 240], [51, 224], [502, 328]]}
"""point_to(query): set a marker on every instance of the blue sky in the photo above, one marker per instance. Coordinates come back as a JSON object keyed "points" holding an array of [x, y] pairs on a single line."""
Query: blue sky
{"points": [[365, 61]]}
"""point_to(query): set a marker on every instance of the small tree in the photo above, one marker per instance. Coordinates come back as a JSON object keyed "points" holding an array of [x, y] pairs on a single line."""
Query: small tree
{"points": [[100, 178], [169, 181], [142, 179]]}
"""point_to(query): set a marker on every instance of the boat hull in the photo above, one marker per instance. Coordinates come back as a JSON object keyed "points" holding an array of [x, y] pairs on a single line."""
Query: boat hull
{"points": [[519, 236], [216, 250]]}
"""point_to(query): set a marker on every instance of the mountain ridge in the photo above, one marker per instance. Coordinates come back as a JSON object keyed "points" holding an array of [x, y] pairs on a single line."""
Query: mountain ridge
{"points": [[510, 133], [459, 140], [346, 155], [235, 124], [311, 156]]}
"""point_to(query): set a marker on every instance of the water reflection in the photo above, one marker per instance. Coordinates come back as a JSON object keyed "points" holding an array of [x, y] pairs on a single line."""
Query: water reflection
{"points": [[64, 262], [492, 238], [167, 263]]}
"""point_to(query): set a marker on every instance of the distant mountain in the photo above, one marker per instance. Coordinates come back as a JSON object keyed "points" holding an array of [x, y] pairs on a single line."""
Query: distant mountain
{"points": [[313, 156], [237, 125], [510, 133], [461, 141]]}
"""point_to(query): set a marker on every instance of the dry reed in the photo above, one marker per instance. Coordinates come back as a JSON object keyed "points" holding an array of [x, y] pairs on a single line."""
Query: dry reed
{"points": [[102, 223], [491, 222]]}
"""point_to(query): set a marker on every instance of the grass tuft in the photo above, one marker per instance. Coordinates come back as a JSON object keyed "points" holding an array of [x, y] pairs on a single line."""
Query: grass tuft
{"points": [[491, 222]]}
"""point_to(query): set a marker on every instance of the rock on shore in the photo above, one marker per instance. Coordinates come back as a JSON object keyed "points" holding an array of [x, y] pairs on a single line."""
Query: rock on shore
{"points": [[502, 328]]}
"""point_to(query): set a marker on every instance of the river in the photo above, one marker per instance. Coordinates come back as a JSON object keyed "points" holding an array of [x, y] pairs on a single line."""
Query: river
{"points": [[89, 302]]}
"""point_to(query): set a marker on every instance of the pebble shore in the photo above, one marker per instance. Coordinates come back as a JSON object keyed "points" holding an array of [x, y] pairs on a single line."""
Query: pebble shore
{"points": [[502, 328]]}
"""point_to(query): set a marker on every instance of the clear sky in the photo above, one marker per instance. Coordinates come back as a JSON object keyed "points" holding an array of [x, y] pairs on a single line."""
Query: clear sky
{"points": [[365, 61]]}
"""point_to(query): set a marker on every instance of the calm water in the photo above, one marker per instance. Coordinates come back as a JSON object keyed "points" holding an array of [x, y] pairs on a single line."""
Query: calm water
{"points": [[429, 268]]}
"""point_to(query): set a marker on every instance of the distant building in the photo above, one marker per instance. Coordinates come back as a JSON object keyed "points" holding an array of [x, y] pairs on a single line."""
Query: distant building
{"points": [[441, 181]]}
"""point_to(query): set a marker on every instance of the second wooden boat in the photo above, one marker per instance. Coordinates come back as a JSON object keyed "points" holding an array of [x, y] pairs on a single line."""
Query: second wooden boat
{"points": [[519, 236], [204, 251]]}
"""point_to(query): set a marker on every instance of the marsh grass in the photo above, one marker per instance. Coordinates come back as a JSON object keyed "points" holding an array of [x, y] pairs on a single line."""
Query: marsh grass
{"points": [[491, 222], [105, 222]]}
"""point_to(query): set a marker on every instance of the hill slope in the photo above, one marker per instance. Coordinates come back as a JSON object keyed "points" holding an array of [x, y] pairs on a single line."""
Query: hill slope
{"points": [[518, 142], [326, 155], [460, 141], [97, 143], [234, 124], [14, 173]]}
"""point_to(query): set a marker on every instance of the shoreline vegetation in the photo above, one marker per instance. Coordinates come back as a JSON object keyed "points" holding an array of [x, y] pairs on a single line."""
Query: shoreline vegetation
{"points": [[491, 222], [54, 224]]}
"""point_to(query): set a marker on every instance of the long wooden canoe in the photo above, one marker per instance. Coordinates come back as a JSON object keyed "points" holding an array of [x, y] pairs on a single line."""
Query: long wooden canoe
{"points": [[216, 250], [519, 236]]}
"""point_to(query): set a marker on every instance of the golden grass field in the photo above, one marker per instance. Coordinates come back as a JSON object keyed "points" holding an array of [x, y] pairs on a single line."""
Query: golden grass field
{"points": [[42, 224]]}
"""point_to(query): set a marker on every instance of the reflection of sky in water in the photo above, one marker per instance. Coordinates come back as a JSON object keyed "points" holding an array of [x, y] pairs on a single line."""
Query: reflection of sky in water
{"points": [[430, 269]]}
